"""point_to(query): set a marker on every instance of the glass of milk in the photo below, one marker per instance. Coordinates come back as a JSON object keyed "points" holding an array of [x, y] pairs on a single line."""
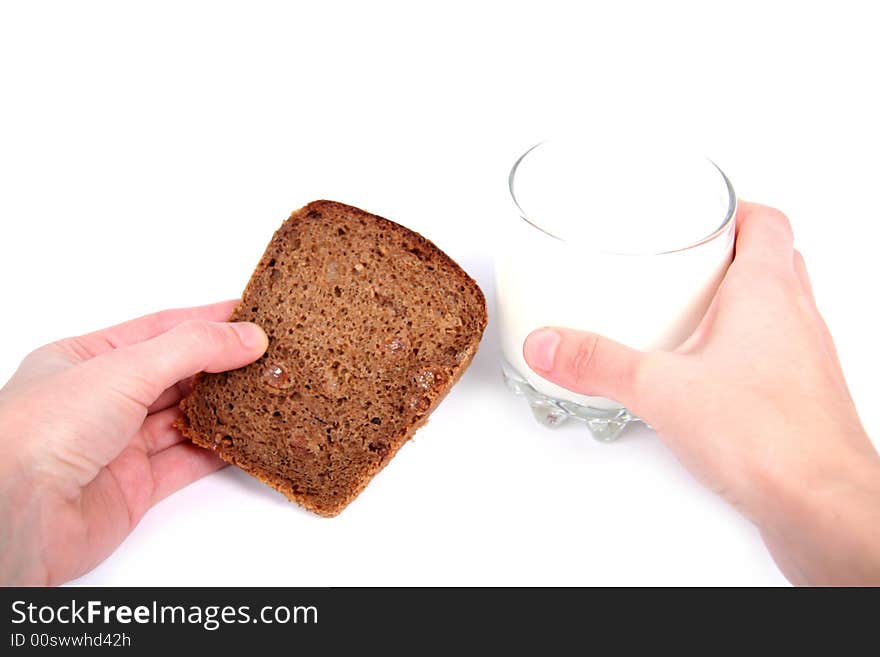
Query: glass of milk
{"points": [[619, 237]]}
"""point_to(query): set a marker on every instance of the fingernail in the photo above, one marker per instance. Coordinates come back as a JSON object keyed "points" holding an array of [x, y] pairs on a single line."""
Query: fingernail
{"points": [[540, 349], [251, 335]]}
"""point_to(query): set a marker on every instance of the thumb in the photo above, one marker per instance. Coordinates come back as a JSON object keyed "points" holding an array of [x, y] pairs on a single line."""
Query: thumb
{"points": [[143, 370], [93, 430], [586, 363]]}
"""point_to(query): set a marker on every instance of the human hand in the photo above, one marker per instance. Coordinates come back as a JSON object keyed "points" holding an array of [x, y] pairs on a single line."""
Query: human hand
{"points": [[754, 404], [87, 438]]}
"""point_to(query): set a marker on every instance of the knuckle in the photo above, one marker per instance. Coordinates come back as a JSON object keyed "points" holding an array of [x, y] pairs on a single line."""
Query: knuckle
{"points": [[581, 361], [65, 347], [50, 348], [37, 355], [159, 319], [780, 221], [197, 331]]}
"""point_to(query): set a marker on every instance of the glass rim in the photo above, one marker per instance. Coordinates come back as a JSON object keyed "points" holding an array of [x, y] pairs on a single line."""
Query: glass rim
{"points": [[721, 229]]}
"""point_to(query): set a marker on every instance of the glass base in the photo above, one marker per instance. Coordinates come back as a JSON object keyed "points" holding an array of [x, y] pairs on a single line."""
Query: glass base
{"points": [[604, 425]]}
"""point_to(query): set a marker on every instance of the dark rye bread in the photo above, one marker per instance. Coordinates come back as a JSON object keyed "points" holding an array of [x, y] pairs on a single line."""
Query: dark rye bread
{"points": [[369, 327]]}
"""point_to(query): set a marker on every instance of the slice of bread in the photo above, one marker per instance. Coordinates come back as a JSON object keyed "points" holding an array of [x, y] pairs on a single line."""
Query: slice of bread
{"points": [[369, 326]]}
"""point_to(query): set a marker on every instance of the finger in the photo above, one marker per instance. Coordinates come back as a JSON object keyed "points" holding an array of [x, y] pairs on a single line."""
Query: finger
{"points": [[146, 327], [112, 392], [141, 372], [179, 466], [172, 395], [586, 363], [699, 335], [763, 235], [800, 270], [158, 433]]}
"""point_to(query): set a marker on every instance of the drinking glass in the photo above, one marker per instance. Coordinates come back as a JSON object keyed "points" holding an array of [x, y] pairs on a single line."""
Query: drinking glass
{"points": [[626, 267]]}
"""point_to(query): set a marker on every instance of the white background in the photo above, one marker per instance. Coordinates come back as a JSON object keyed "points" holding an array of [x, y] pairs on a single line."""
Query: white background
{"points": [[148, 151]]}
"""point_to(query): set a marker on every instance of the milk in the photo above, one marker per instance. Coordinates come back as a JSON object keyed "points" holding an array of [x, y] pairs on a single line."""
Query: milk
{"points": [[611, 238]]}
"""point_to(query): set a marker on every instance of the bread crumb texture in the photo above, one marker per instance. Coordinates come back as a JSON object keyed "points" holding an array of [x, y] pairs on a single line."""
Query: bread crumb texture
{"points": [[369, 326]]}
